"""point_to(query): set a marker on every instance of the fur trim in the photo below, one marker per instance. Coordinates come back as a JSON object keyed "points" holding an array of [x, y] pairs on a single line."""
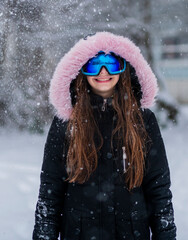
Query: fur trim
{"points": [[69, 66]]}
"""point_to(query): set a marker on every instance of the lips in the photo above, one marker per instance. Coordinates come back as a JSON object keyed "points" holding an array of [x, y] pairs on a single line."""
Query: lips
{"points": [[102, 80]]}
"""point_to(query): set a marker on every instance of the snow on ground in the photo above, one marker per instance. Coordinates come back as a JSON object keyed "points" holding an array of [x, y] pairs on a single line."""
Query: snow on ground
{"points": [[176, 142], [20, 163]]}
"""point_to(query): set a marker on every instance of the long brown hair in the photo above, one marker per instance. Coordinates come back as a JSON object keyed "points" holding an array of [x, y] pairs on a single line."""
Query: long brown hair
{"points": [[82, 157]]}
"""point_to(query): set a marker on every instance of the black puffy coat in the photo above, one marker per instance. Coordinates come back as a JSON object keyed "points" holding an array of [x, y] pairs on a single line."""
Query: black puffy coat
{"points": [[102, 208]]}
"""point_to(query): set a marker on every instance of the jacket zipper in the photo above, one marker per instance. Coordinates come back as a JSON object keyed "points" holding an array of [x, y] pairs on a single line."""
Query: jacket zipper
{"points": [[103, 108]]}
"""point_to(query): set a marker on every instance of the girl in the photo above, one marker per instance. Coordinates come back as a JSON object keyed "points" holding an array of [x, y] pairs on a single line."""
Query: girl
{"points": [[105, 175]]}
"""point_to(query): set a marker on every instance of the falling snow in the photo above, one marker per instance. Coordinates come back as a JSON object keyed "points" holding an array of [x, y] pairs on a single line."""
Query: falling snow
{"points": [[33, 37]]}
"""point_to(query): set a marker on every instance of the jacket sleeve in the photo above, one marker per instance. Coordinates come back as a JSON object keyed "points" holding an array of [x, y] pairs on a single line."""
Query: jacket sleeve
{"points": [[156, 186], [52, 185]]}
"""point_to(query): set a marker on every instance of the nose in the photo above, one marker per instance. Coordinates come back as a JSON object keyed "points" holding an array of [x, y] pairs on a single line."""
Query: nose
{"points": [[103, 71]]}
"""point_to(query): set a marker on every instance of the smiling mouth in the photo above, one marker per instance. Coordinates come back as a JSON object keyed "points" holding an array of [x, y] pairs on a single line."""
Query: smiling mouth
{"points": [[103, 80]]}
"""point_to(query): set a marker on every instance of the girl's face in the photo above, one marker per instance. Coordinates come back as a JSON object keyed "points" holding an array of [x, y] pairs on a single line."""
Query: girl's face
{"points": [[104, 83]]}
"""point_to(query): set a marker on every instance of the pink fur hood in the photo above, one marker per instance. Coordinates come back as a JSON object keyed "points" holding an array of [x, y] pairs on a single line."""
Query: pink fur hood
{"points": [[69, 66]]}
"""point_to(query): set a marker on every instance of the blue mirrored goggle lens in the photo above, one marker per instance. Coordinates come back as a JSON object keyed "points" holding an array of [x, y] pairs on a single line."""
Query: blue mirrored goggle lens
{"points": [[94, 65]]}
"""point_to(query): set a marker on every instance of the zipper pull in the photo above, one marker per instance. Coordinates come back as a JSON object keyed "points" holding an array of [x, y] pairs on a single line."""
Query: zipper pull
{"points": [[104, 105], [124, 158]]}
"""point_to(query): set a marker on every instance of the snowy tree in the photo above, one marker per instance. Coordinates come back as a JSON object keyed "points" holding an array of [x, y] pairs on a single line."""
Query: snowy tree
{"points": [[25, 66]]}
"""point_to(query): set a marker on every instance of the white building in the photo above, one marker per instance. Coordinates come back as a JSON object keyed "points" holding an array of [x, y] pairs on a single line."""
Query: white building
{"points": [[171, 62]]}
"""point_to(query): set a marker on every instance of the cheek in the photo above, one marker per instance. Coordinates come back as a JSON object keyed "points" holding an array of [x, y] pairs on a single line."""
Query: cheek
{"points": [[89, 79], [116, 79]]}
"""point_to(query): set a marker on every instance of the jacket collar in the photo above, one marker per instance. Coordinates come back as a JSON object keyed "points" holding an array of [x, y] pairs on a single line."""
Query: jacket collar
{"points": [[100, 103]]}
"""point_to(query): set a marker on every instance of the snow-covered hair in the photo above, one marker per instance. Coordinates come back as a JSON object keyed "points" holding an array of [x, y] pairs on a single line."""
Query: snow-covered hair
{"points": [[69, 66]]}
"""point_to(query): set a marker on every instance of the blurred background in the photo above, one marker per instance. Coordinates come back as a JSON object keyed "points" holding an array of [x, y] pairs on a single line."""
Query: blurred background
{"points": [[34, 35]]}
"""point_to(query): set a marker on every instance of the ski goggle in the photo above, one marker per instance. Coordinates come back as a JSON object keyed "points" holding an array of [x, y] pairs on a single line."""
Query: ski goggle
{"points": [[110, 62]]}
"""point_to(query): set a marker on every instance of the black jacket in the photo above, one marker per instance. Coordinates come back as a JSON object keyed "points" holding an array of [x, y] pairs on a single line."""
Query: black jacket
{"points": [[102, 208]]}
